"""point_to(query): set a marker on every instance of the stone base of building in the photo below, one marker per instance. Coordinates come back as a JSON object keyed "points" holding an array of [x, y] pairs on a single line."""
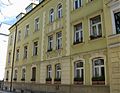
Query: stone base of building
{"points": [[56, 88]]}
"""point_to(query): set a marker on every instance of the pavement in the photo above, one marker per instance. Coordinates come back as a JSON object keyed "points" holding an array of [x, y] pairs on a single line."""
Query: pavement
{"points": [[5, 92]]}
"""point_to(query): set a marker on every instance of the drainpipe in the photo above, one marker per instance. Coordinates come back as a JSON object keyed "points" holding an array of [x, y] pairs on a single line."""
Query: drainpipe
{"points": [[11, 85]]}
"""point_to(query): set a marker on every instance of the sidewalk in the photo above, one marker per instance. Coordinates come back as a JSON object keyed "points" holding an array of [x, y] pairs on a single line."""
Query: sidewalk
{"points": [[5, 92]]}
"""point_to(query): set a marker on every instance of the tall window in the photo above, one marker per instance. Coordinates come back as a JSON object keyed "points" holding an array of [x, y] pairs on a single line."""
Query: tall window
{"points": [[59, 40], [9, 57], [26, 30], [7, 75], [98, 68], [58, 71], [17, 54], [19, 35], [36, 24], [33, 74], [11, 40], [117, 22], [23, 74], [25, 51], [51, 15], [77, 4], [79, 71], [95, 27], [15, 75], [50, 43], [49, 71], [78, 34], [35, 48], [59, 11]]}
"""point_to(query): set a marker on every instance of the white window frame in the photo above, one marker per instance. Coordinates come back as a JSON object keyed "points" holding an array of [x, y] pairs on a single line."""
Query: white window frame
{"points": [[37, 24], [95, 25], [9, 57], [98, 67], [19, 35], [11, 39], [49, 71], [59, 11], [58, 71], [78, 4], [51, 15], [50, 42], [59, 40], [80, 31], [23, 73], [80, 70], [27, 30], [17, 54]]}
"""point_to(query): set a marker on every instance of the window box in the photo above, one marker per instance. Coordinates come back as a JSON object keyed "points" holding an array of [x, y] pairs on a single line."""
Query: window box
{"points": [[98, 80], [78, 80], [33, 79], [23, 79], [48, 80], [95, 37], [57, 80], [15, 79]]}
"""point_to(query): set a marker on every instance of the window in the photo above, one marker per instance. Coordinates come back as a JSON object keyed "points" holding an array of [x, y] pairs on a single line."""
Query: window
{"points": [[23, 74], [7, 75], [79, 71], [95, 27], [77, 4], [117, 22], [58, 71], [33, 74], [9, 57], [78, 34], [50, 43], [15, 75], [49, 71], [19, 35], [59, 11], [37, 24], [51, 15], [25, 51], [98, 68], [17, 54], [26, 30], [59, 40], [35, 48]]}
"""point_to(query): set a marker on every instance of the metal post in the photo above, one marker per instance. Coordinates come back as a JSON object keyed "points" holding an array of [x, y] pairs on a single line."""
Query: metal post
{"points": [[13, 58]]}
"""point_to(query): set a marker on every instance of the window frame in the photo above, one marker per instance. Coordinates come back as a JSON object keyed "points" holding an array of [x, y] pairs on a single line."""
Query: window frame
{"points": [[17, 54], [59, 40], [79, 4], [51, 15], [50, 43], [35, 48], [27, 28], [25, 51], [59, 10], [36, 24], [49, 71], [57, 71]]}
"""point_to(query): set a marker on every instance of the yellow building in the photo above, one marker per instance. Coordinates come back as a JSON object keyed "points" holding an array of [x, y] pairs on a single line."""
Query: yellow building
{"points": [[64, 46]]}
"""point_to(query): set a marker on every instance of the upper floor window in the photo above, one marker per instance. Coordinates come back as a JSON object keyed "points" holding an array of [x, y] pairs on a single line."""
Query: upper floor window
{"points": [[25, 51], [50, 43], [95, 27], [17, 54], [23, 74], [19, 35], [117, 22], [11, 40], [35, 48], [33, 74], [77, 4], [49, 71], [78, 34], [51, 15], [59, 40], [37, 24], [26, 30], [9, 57], [15, 75], [79, 71], [59, 11], [58, 71], [7, 75]]}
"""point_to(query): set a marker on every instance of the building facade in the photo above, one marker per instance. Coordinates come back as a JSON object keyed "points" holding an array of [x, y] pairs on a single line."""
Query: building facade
{"points": [[65, 46]]}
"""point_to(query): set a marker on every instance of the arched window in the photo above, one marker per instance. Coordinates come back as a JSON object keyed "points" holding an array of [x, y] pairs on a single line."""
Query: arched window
{"points": [[33, 74], [79, 70], [51, 15], [15, 75], [59, 11], [23, 74], [58, 71]]}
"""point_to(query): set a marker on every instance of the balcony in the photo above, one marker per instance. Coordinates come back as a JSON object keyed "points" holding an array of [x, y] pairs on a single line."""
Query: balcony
{"points": [[98, 80], [78, 81]]}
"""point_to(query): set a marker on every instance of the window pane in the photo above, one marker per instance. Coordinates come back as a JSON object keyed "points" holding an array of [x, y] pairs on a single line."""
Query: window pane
{"points": [[117, 22]]}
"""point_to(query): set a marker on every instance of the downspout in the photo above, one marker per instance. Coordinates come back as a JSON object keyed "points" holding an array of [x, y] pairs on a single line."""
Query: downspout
{"points": [[11, 85]]}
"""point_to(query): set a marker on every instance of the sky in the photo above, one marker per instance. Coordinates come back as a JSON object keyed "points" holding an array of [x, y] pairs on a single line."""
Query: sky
{"points": [[8, 12]]}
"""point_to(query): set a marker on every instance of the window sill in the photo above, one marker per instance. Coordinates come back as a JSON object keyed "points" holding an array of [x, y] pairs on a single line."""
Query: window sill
{"points": [[77, 9], [114, 36], [95, 39], [75, 43]]}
